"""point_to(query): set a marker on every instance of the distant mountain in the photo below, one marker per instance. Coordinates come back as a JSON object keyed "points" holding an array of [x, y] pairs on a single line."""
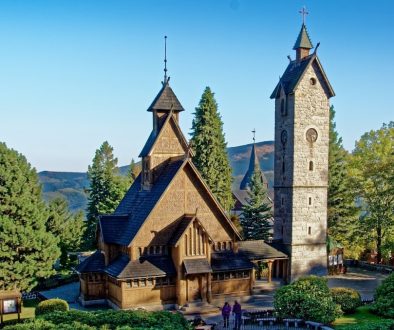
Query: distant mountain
{"points": [[73, 185]]}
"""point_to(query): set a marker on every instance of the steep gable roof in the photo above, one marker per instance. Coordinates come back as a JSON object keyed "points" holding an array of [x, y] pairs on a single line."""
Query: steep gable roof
{"points": [[295, 71], [166, 100], [138, 204], [153, 138], [93, 263]]}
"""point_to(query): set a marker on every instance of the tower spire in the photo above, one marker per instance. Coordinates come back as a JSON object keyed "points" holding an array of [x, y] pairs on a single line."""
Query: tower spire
{"points": [[165, 60], [303, 43]]}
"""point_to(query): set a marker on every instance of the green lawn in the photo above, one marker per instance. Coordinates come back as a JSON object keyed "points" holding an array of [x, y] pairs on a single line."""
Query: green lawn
{"points": [[28, 308], [362, 316]]}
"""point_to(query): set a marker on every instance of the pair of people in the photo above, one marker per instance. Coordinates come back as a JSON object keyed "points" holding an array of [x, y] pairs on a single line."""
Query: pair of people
{"points": [[237, 311]]}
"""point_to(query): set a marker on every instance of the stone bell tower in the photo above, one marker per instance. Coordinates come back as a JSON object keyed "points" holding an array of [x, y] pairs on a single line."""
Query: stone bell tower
{"points": [[301, 160]]}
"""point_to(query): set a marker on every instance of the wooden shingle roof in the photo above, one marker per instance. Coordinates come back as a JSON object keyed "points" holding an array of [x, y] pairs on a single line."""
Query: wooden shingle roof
{"points": [[94, 263], [166, 100], [197, 266], [155, 266]]}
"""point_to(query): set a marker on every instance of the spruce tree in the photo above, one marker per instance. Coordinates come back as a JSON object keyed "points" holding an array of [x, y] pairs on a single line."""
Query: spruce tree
{"points": [[209, 146], [257, 212], [106, 190], [67, 227], [27, 250], [342, 214]]}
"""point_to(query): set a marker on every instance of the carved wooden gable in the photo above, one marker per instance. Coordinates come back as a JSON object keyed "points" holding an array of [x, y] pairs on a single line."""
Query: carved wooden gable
{"points": [[186, 194]]}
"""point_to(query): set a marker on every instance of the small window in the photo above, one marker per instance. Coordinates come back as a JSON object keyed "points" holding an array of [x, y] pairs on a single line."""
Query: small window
{"points": [[310, 166], [219, 246], [139, 252], [150, 281], [310, 200], [135, 284], [282, 230], [128, 284], [283, 201], [224, 246], [313, 81], [283, 108], [283, 166], [309, 230], [143, 282], [151, 250]]}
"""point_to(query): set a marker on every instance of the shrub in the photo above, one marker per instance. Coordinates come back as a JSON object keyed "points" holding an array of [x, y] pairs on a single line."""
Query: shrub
{"points": [[51, 305], [384, 298], [348, 299], [39, 324], [309, 298]]}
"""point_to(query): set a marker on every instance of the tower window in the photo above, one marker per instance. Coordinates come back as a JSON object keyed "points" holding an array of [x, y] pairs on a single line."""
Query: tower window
{"points": [[283, 110], [313, 81], [282, 230], [310, 200], [283, 201], [309, 230], [283, 166], [310, 166]]}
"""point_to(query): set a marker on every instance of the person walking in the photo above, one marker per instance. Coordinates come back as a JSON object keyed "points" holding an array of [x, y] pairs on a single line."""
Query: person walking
{"points": [[237, 311], [226, 311]]}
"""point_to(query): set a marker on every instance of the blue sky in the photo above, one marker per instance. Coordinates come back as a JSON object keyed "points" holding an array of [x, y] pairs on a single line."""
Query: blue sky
{"points": [[76, 73]]}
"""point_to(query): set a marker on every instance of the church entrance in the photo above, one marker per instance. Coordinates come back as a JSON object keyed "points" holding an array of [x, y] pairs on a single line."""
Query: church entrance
{"points": [[194, 287]]}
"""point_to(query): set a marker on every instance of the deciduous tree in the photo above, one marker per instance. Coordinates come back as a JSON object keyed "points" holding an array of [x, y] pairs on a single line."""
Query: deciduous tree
{"points": [[372, 166]]}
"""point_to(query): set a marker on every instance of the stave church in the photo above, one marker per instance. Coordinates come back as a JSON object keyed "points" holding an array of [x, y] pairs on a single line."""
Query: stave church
{"points": [[170, 243]]}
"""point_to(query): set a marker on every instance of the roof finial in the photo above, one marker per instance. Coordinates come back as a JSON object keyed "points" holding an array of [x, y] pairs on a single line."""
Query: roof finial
{"points": [[303, 12], [165, 59], [254, 135]]}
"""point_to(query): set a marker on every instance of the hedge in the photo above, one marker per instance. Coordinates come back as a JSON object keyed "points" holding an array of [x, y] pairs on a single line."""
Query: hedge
{"points": [[371, 325], [348, 299], [51, 305], [309, 298], [384, 298], [108, 319]]}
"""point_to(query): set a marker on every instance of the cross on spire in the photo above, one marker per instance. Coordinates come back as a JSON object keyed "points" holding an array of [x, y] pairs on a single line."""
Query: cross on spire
{"points": [[303, 12], [254, 135], [165, 59]]}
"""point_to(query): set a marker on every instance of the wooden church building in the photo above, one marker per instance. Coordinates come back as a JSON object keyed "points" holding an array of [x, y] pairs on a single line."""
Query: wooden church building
{"points": [[169, 242]]}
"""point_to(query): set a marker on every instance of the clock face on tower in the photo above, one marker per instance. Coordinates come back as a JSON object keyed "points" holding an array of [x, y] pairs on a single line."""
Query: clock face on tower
{"points": [[283, 137], [311, 135]]}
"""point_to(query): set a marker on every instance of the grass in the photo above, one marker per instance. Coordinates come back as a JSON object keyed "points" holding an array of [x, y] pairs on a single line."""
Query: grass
{"points": [[28, 308], [362, 316]]}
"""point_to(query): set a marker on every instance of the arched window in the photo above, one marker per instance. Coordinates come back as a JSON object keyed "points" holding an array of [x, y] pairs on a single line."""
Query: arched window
{"points": [[310, 166], [309, 230]]}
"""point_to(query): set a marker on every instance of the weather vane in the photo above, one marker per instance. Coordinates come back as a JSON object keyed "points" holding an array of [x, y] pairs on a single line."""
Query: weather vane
{"points": [[303, 12], [254, 135], [165, 59]]}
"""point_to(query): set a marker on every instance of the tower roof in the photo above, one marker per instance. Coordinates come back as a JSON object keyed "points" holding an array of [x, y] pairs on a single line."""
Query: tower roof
{"points": [[254, 166], [303, 40], [166, 100]]}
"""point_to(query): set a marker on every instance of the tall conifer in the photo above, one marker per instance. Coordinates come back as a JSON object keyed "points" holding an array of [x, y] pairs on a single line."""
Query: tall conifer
{"points": [[257, 212], [342, 211], [106, 190], [209, 146], [27, 250]]}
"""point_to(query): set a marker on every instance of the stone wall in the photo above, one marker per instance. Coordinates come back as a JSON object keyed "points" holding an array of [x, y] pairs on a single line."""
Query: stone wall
{"points": [[301, 183]]}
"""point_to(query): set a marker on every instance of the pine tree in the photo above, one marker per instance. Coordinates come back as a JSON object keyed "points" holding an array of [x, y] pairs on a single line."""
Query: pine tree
{"points": [[342, 215], [67, 227], [106, 190], [209, 145], [27, 250], [256, 214]]}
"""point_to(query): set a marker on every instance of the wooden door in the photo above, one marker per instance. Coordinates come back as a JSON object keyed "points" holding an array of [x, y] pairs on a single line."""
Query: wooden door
{"points": [[194, 287]]}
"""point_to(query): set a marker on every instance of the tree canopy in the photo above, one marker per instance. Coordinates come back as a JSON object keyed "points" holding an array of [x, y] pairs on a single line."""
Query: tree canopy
{"points": [[106, 190], [67, 227], [257, 212], [209, 146], [372, 171], [342, 212], [28, 251]]}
